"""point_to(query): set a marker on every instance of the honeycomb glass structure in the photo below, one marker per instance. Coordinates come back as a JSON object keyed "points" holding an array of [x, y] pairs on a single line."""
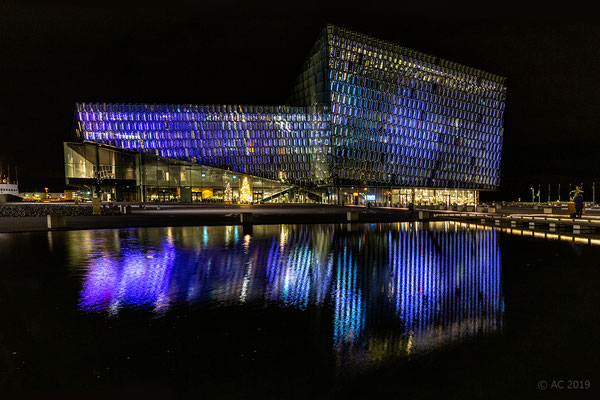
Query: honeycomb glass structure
{"points": [[403, 118], [363, 112], [287, 143]]}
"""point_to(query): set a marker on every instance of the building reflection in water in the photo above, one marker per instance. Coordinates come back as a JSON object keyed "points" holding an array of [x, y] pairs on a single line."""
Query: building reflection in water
{"points": [[391, 289]]}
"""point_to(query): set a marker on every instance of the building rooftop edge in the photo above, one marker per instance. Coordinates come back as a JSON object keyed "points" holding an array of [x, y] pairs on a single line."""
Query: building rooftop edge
{"points": [[500, 77], [324, 106]]}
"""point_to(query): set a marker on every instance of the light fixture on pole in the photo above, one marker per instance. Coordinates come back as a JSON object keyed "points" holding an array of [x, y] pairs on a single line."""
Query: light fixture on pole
{"points": [[532, 194]]}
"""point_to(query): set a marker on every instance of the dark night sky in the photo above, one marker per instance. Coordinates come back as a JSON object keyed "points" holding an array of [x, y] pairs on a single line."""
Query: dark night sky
{"points": [[53, 54]]}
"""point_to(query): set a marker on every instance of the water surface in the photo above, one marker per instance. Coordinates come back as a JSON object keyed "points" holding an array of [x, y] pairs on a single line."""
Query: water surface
{"points": [[287, 311]]}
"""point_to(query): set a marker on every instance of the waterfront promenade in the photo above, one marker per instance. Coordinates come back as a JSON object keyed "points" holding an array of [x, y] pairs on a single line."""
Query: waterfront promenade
{"points": [[157, 215], [194, 215]]}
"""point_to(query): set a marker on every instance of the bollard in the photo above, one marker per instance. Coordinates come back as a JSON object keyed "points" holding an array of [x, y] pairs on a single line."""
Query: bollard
{"points": [[96, 207], [56, 221], [246, 218], [423, 214], [351, 216]]}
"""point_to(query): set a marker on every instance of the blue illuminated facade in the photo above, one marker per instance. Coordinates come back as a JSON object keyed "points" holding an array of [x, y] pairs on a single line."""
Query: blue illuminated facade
{"points": [[363, 113], [403, 118]]}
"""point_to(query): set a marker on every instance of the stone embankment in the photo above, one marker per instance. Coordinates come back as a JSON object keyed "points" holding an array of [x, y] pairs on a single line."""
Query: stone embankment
{"points": [[41, 210]]}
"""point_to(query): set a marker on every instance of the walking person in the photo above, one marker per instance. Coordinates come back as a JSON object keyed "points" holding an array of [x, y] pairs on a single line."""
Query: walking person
{"points": [[572, 206]]}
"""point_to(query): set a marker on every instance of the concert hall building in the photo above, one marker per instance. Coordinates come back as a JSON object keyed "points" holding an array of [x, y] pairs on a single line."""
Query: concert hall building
{"points": [[367, 120]]}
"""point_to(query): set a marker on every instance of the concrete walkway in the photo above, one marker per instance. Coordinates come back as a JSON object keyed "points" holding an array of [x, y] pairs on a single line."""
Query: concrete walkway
{"points": [[185, 215], [157, 215]]}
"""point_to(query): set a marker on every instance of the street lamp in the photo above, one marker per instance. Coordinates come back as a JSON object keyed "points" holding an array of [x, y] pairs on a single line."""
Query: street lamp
{"points": [[532, 194]]}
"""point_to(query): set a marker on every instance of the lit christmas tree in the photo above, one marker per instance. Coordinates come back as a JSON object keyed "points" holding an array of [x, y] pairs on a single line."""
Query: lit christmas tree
{"points": [[228, 195], [245, 192]]}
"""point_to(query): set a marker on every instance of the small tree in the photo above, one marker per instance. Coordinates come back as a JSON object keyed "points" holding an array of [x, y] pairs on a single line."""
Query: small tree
{"points": [[245, 191], [228, 195]]}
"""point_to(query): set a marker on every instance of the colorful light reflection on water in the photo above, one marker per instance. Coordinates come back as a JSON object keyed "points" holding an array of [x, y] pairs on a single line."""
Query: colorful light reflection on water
{"points": [[435, 283]]}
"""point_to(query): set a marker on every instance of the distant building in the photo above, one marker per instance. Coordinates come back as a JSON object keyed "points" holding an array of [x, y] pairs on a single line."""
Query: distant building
{"points": [[367, 120], [67, 195], [39, 196]]}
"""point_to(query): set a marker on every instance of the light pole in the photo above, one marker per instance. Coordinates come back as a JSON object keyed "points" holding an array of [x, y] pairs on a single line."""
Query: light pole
{"points": [[532, 194]]}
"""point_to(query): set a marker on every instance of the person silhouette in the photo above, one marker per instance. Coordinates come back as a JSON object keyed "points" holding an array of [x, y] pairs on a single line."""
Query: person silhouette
{"points": [[578, 200]]}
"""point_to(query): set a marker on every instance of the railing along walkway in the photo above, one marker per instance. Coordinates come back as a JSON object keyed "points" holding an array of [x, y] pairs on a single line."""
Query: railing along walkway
{"points": [[551, 221]]}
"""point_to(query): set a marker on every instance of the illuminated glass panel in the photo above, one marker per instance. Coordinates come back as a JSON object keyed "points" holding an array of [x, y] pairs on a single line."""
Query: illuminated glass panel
{"points": [[403, 118], [366, 112], [283, 143]]}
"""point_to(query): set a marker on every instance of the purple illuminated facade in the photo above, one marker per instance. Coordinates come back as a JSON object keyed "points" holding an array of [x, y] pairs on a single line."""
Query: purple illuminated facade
{"points": [[363, 112], [288, 143]]}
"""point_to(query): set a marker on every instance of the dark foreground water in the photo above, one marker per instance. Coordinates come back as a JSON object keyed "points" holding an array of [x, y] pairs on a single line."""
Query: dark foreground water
{"points": [[298, 311]]}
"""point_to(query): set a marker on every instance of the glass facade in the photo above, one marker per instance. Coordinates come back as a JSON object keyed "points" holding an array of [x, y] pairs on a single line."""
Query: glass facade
{"points": [[364, 112], [403, 118], [284, 143], [120, 175]]}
